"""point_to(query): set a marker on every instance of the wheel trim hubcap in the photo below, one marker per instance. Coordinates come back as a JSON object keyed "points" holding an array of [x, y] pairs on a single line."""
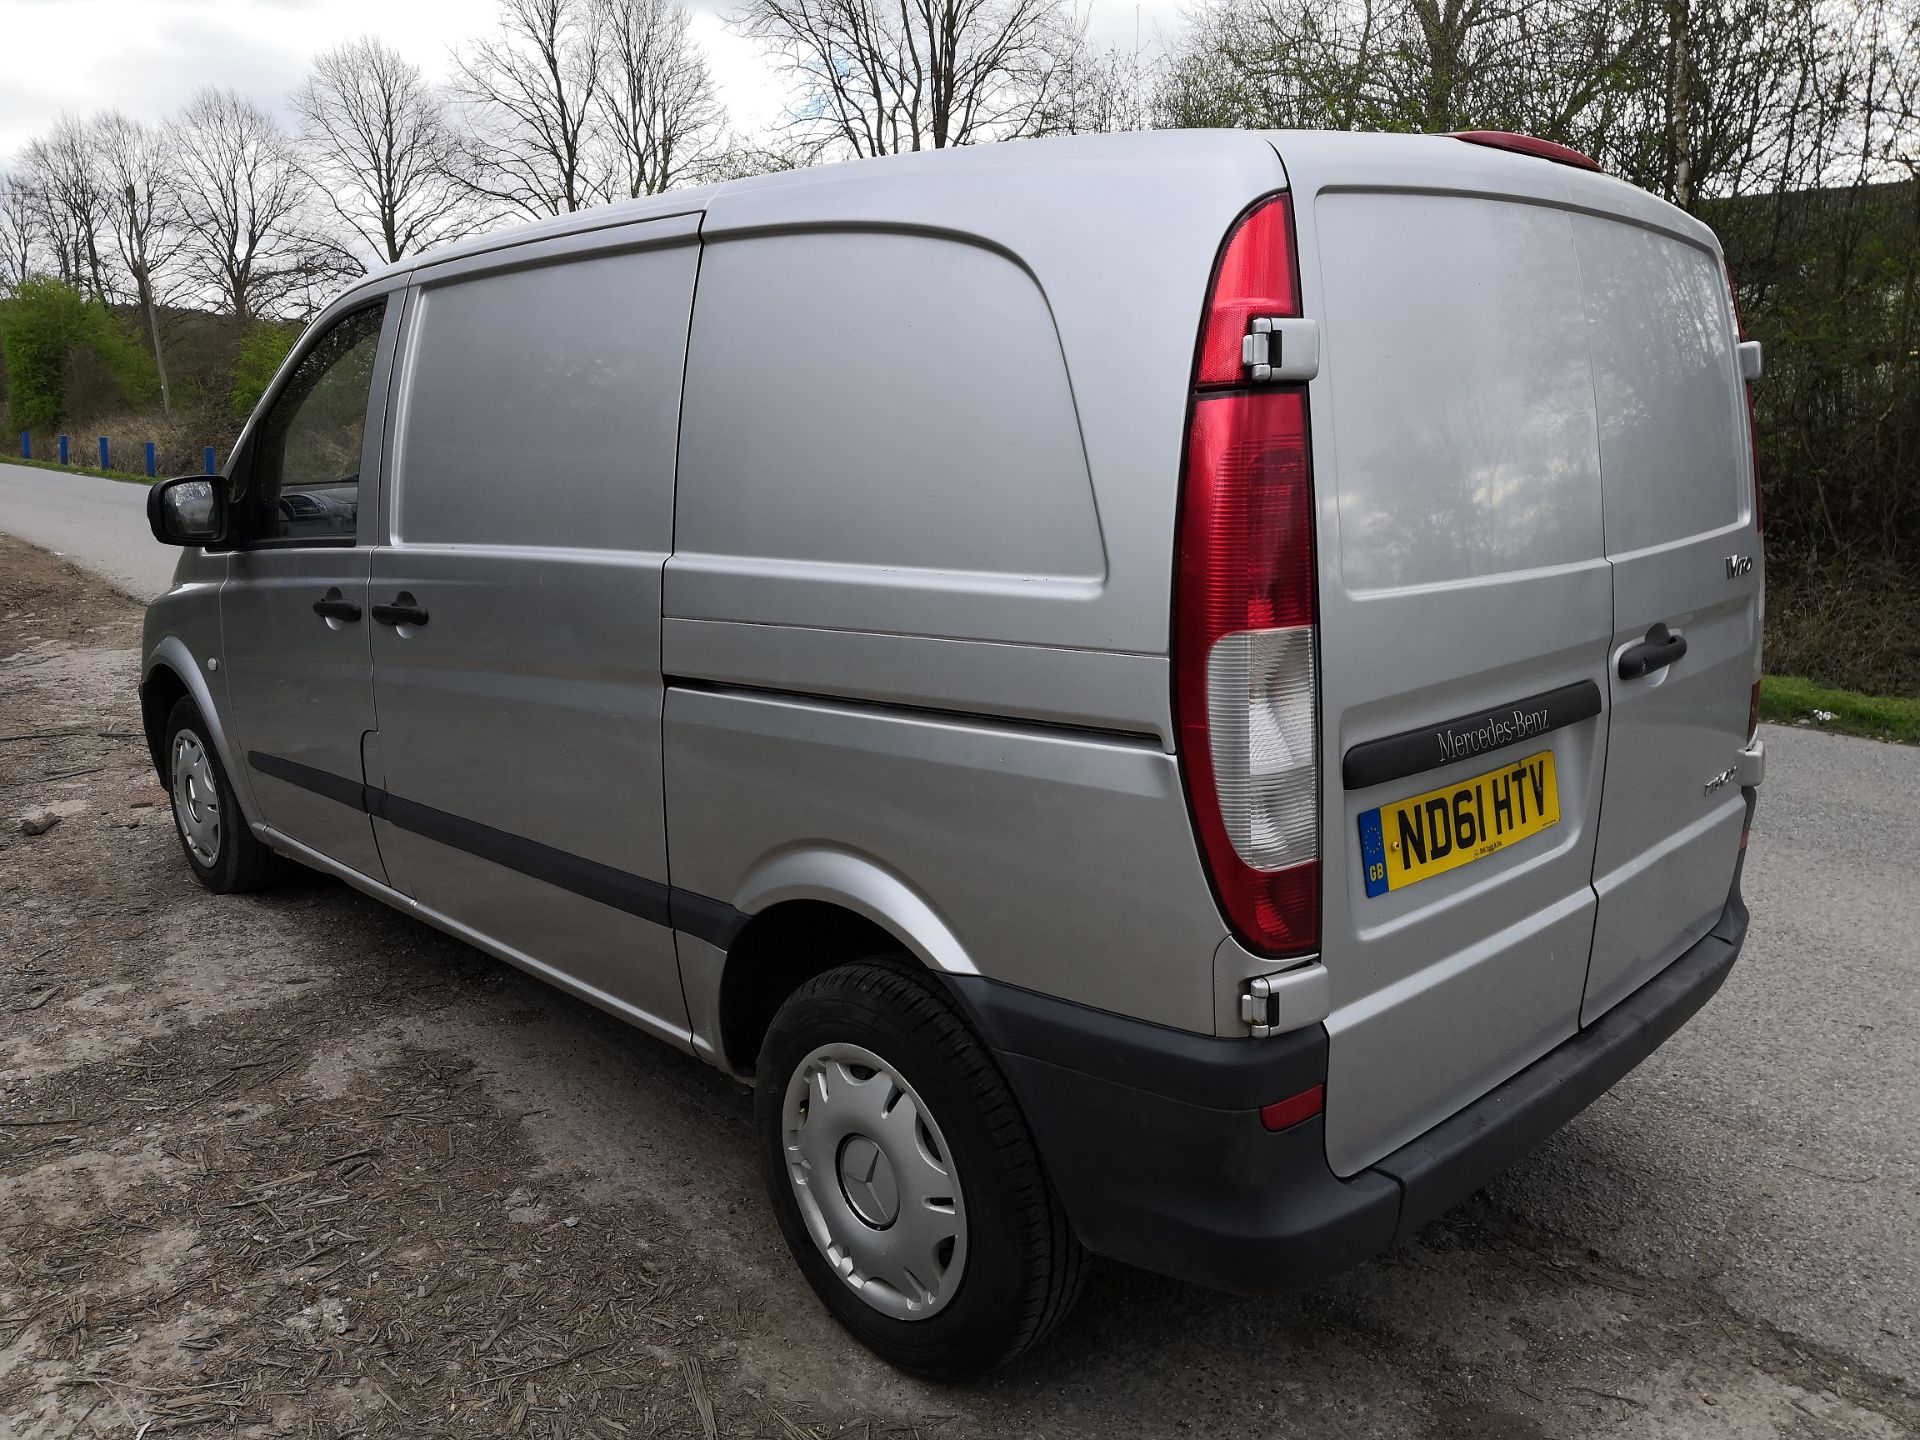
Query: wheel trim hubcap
{"points": [[196, 799], [875, 1181]]}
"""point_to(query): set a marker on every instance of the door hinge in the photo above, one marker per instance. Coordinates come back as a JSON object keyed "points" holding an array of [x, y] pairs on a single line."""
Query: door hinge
{"points": [[1290, 1000], [1260, 1007], [1279, 347]]}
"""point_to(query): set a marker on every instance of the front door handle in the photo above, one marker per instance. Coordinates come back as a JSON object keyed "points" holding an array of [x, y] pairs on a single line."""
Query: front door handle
{"points": [[335, 606], [1661, 648], [404, 610]]}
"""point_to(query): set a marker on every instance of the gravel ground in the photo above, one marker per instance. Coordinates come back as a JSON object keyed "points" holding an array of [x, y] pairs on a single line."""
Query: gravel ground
{"points": [[295, 1165]]}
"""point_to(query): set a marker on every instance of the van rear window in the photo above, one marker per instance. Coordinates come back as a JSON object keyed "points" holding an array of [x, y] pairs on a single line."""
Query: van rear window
{"points": [[1672, 415]]}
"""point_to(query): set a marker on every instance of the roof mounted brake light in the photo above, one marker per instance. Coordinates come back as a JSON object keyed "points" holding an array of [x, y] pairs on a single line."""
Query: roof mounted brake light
{"points": [[1528, 145]]}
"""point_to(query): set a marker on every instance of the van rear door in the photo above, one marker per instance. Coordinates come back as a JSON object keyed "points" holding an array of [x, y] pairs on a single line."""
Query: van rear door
{"points": [[1466, 619], [1676, 472]]}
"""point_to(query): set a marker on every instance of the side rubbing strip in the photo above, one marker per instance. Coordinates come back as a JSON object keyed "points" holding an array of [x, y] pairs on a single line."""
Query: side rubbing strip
{"points": [[711, 920], [320, 782], [631, 893], [1395, 757]]}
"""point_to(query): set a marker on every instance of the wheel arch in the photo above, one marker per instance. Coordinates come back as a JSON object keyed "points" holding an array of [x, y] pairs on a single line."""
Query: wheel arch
{"points": [[169, 674], [807, 911]]}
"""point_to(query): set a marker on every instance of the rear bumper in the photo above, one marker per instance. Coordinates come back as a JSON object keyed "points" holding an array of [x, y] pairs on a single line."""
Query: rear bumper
{"points": [[1152, 1140]]}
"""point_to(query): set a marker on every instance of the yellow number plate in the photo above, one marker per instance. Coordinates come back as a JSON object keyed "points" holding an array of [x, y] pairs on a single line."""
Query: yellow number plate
{"points": [[1426, 835]]}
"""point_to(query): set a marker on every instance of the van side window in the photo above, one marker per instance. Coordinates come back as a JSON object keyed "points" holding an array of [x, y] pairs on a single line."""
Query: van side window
{"points": [[304, 481], [540, 405], [863, 398]]}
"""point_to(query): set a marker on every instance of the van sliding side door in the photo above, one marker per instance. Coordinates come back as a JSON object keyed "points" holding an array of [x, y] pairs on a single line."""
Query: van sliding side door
{"points": [[515, 607]]}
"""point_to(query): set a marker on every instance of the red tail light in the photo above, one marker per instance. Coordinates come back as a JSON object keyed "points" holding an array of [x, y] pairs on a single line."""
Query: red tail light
{"points": [[1246, 677], [1753, 429], [1256, 276]]}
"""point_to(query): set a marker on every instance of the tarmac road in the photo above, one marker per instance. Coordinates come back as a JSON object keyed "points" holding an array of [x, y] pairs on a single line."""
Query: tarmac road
{"points": [[1728, 1244], [100, 525]]}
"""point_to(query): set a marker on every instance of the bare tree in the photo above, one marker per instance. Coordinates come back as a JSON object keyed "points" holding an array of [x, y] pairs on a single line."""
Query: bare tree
{"points": [[1679, 65], [141, 214], [73, 201], [21, 231], [885, 76], [658, 108], [1545, 66], [1567, 70], [528, 93], [739, 158], [240, 194], [1097, 92], [375, 142]]}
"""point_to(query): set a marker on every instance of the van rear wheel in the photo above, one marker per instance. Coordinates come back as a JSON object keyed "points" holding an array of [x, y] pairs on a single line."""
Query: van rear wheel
{"points": [[225, 856], [904, 1176]]}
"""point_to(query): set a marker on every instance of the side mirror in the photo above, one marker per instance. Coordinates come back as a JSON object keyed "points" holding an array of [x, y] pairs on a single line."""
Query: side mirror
{"points": [[190, 510]]}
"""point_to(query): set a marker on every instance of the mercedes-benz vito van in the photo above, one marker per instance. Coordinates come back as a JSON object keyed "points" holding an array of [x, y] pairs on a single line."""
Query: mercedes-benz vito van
{"points": [[1184, 697]]}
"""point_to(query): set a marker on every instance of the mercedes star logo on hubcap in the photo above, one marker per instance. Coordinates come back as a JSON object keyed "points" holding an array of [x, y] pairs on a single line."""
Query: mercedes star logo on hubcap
{"points": [[866, 1176]]}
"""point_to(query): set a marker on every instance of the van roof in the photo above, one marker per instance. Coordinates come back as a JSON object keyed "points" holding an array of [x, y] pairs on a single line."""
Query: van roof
{"points": [[875, 177], [866, 186]]}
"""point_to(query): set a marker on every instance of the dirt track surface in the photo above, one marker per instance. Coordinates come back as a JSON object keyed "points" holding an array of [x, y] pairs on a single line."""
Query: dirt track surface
{"points": [[296, 1165]]}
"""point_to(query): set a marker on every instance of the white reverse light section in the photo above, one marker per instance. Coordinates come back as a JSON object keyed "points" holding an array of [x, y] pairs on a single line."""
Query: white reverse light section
{"points": [[1260, 701]]}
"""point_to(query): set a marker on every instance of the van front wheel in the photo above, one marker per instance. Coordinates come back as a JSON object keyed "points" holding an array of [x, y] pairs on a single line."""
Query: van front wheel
{"points": [[904, 1176], [213, 833]]}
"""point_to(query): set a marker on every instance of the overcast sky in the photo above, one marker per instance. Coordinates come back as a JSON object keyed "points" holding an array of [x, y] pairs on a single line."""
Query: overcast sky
{"points": [[147, 56]]}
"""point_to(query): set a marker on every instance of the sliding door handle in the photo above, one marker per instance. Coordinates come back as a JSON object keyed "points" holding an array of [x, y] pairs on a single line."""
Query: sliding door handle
{"points": [[404, 610]]}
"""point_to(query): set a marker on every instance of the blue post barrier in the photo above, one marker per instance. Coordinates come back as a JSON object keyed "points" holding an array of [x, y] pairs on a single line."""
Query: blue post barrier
{"points": [[149, 459], [210, 465], [26, 444], [63, 449], [103, 454]]}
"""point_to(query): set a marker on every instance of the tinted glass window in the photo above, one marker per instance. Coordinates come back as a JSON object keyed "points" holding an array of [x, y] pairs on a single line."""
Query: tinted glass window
{"points": [[305, 479], [882, 400], [541, 405]]}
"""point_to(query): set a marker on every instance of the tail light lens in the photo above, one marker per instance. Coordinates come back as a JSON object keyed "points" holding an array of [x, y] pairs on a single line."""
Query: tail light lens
{"points": [[1759, 515], [1256, 276], [1246, 677], [1753, 429]]}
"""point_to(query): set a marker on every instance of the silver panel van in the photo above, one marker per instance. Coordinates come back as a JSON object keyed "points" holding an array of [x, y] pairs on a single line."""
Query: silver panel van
{"points": [[1185, 697]]}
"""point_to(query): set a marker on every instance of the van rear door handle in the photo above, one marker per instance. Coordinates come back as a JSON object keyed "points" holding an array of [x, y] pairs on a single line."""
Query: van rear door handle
{"points": [[335, 606], [404, 610], [1661, 648]]}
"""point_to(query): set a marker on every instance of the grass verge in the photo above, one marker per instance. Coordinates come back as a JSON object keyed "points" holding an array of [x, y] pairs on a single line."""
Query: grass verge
{"points": [[94, 471], [1792, 700]]}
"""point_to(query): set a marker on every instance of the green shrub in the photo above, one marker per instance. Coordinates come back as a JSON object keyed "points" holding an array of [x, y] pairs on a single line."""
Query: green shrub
{"points": [[261, 351], [47, 331]]}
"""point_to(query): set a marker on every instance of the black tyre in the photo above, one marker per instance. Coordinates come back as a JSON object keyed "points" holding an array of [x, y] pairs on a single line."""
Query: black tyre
{"points": [[225, 856], [904, 1176]]}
